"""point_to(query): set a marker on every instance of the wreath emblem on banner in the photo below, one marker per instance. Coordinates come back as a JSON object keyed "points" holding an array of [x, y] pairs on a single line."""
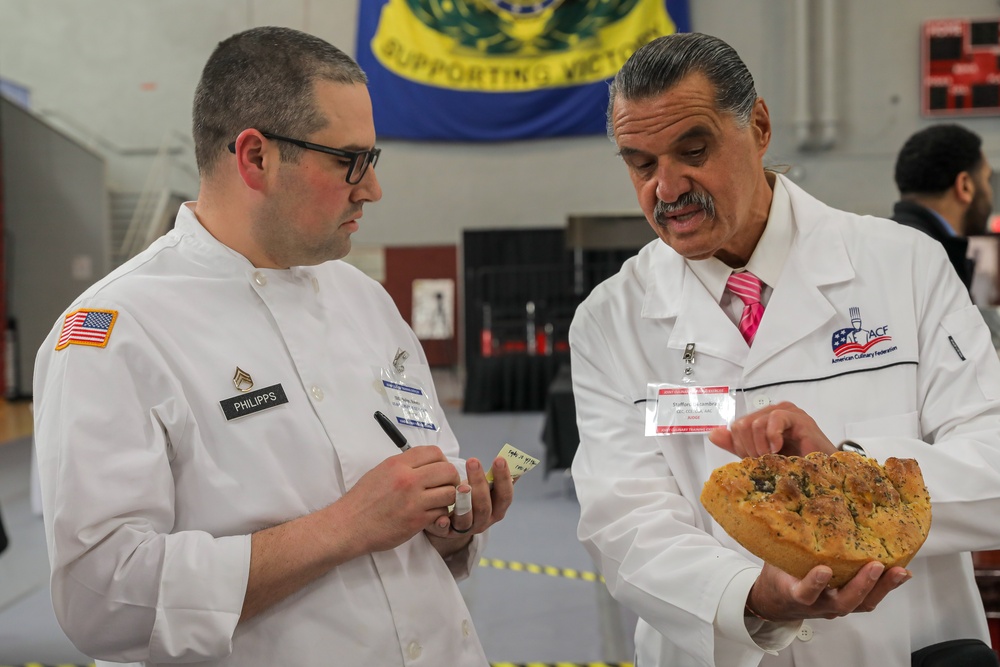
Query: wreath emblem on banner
{"points": [[513, 45], [524, 7], [521, 27]]}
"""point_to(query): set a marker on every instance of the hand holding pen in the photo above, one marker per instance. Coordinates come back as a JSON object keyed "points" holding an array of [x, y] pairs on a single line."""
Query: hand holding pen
{"points": [[478, 503], [463, 492], [398, 498]]}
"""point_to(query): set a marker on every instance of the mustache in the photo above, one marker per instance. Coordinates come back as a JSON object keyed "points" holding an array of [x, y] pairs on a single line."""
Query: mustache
{"points": [[702, 200]]}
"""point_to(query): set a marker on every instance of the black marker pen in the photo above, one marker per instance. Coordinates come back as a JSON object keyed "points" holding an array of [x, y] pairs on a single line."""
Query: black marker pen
{"points": [[390, 430]]}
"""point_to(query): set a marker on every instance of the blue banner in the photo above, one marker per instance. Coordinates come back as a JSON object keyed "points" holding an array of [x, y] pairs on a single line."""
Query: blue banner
{"points": [[500, 70]]}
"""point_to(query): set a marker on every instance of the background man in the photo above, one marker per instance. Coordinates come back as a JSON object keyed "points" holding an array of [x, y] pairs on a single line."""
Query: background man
{"points": [[215, 487], [747, 287], [945, 192]]}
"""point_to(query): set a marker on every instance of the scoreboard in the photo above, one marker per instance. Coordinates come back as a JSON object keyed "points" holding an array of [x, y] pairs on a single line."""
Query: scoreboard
{"points": [[961, 67]]}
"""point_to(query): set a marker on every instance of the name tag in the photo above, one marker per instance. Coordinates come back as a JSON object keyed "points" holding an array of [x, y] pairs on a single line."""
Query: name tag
{"points": [[674, 410], [247, 404]]}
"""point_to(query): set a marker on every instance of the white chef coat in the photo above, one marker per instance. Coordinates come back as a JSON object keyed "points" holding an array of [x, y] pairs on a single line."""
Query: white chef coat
{"points": [[150, 493], [931, 391]]}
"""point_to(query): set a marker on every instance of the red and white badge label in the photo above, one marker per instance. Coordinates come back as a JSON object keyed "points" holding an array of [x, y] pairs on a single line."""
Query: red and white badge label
{"points": [[675, 410]]}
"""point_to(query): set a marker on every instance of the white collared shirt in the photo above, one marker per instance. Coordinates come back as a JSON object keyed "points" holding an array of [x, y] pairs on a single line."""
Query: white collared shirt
{"points": [[766, 262]]}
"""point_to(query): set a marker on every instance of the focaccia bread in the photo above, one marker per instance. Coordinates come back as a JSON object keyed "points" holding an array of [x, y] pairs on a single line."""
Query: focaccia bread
{"points": [[841, 510]]}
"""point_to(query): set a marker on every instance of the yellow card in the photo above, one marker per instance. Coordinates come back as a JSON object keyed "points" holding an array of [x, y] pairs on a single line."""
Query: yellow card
{"points": [[518, 462]]}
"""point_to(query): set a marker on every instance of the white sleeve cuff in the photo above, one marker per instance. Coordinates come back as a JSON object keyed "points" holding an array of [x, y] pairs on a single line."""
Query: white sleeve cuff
{"points": [[731, 623], [200, 597], [461, 562]]}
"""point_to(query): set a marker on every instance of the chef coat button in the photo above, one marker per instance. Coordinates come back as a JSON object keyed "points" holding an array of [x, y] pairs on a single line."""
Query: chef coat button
{"points": [[466, 628], [805, 633], [260, 278], [761, 402], [317, 393], [413, 650]]}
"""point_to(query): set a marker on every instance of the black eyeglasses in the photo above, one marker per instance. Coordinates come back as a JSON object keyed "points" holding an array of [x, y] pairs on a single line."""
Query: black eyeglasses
{"points": [[360, 160]]}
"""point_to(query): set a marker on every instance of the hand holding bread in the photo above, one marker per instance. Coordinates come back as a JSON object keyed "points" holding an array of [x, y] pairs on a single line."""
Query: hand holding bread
{"points": [[827, 528], [842, 510], [799, 582]]}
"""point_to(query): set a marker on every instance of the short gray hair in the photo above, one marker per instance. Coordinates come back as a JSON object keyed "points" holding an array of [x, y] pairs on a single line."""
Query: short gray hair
{"points": [[662, 63], [263, 78]]}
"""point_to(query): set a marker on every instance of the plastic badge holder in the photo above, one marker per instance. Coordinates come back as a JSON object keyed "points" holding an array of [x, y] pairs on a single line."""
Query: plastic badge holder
{"points": [[675, 410]]}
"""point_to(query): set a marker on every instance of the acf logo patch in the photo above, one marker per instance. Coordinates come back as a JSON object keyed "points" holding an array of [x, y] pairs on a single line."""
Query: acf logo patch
{"points": [[514, 45], [857, 342]]}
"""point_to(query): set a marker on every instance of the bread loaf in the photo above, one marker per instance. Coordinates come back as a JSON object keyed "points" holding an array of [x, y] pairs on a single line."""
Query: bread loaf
{"points": [[841, 510]]}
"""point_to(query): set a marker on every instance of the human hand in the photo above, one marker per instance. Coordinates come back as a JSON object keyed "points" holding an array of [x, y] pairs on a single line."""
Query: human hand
{"points": [[401, 496], [783, 428], [778, 596], [488, 507]]}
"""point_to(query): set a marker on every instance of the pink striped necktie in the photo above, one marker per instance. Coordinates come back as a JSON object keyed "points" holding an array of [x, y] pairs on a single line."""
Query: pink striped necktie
{"points": [[747, 286]]}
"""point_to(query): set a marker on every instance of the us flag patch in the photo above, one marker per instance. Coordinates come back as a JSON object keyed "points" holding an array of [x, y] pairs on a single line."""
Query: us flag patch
{"points": [[87, 327]]}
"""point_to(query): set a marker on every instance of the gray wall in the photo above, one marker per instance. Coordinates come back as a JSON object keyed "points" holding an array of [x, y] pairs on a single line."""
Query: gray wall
{"points": [[126, 71], [55, 226]]}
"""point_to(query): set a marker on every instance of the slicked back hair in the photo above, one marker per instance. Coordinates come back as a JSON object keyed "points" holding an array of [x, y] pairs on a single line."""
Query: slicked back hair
{"points": [[264, 78], [664, 62], [931, 159]]}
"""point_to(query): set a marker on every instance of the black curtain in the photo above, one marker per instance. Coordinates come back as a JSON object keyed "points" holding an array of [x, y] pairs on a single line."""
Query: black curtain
{"points": [[502, 270], [522, 287]]}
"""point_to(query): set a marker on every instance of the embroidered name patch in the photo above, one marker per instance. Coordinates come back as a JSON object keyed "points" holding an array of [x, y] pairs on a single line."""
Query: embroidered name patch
{"points": [[87, 327], [247, 404]]}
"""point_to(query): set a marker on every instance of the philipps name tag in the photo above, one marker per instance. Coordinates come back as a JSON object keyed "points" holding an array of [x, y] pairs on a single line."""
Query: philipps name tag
{"points": [[249, 403]]}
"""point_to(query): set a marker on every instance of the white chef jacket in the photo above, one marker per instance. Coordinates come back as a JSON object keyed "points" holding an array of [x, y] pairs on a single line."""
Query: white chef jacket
{"points": [[150, 493], [930, 391]]}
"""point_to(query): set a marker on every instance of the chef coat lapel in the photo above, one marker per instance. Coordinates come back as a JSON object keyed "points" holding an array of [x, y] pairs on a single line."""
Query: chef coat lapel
{"points": [[798, 306], [676, 292]]}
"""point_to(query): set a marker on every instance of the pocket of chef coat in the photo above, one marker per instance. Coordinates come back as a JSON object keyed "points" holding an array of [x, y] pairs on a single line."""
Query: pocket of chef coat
{"points": [[904, 425], [971, 335]]}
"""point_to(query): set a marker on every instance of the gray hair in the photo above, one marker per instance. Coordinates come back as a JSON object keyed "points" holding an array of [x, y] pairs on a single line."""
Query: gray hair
{"points": [[662, 63], [263, 78]]}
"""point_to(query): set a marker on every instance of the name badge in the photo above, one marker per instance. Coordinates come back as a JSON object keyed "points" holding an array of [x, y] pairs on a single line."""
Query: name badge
{"points": [[673, 410], [409, 403], [247, 404]]}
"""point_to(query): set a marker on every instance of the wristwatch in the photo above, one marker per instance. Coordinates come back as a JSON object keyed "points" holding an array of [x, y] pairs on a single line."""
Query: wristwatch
{"points": [[851, 446]]}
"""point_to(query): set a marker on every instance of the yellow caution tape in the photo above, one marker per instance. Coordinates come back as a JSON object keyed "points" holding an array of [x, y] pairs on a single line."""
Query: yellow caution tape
{"points": [[566, 573]]}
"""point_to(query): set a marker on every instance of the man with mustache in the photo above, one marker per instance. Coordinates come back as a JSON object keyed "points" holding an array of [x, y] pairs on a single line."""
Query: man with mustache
{"points": [[944, 186], [216, 489], [763, 321]]}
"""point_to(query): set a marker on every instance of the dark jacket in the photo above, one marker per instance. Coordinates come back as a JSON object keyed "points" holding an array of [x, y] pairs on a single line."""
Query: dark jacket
{"points": [[914, 215], [3, 537]]}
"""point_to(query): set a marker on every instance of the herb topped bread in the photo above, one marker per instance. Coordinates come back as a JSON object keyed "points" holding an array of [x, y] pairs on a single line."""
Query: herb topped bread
{"points": [[841, 510]]}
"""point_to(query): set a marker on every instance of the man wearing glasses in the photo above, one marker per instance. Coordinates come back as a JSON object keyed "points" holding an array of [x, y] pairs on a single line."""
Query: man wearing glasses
{"points": [[215, 487]]}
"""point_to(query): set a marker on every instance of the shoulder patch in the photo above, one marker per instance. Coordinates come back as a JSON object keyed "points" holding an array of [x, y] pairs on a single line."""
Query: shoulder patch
{"points": [[87, 327]]}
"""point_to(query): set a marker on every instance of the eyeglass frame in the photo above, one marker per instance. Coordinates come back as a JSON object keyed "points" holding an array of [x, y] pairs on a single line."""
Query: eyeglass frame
{"points": [[371, 155]]}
